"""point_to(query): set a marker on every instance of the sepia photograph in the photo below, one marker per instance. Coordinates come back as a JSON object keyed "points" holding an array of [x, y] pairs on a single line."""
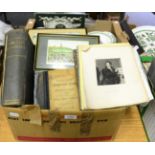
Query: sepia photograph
{"points": [[109, 71]]}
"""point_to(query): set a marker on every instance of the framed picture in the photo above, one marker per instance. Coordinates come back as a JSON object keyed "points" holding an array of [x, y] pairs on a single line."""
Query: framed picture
{"points": [[54, 51], [59, 20], [34, 32]]}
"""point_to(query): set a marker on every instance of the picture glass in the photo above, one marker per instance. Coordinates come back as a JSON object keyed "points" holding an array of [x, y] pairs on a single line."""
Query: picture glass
{"points": [[60, 52], [56, 51]]}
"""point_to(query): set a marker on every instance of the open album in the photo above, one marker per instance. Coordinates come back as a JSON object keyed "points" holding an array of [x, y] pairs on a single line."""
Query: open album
{"points": [[111, 75]]}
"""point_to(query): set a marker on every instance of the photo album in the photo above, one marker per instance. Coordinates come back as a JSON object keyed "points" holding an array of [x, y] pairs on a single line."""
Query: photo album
{"points": [[115, 77]]}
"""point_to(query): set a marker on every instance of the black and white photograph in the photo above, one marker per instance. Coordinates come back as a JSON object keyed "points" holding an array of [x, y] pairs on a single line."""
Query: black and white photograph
{"points": [[109, 71]]}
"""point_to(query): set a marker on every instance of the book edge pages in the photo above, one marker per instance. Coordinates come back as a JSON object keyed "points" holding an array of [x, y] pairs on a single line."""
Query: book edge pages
{"points": [[80, 74], [143, 76]]}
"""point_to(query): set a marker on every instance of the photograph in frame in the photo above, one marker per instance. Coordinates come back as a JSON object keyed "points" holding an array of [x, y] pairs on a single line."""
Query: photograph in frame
{"points": [[60, 20], [56, 51]]}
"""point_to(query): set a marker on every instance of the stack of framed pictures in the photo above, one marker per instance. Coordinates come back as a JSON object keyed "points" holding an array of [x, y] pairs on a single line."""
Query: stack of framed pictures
{"points": [[56, 49]]}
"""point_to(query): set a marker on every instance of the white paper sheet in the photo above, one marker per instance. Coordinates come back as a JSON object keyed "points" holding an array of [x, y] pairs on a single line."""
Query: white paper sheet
{"points": [[129, 92]]}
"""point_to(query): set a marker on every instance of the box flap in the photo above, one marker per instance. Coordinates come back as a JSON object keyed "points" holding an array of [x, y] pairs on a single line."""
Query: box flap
{"points": [[121, 35], [101, 25], [33, 113]]}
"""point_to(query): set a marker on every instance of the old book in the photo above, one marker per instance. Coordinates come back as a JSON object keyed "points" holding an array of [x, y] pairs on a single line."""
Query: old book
{"points": [[18, 78], [110, 76], [41, 89], [1, 62], [63, 91]]}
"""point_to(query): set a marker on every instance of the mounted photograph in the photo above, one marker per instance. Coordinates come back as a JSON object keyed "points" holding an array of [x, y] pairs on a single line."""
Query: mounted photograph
{"points": [[109, 71]]}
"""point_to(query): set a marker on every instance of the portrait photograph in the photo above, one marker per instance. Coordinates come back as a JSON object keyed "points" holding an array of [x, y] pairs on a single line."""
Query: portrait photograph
{"points": [[109, 71]]}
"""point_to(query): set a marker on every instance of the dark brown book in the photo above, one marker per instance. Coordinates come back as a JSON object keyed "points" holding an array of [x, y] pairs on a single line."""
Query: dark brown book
{"points": [[1, 63], [18, 78]]}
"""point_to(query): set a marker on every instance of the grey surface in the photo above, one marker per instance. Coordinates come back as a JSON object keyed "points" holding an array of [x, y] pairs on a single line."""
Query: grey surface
{"points": [[16, 18], [149, 121]]}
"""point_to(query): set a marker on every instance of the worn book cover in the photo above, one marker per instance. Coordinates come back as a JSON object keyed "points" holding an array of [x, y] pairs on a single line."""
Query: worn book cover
{"points": [[110, 76], [18, 78], [63, 91]]}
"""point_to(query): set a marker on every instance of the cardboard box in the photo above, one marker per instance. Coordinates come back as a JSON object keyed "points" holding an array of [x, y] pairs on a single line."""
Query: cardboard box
{"points": [[29, 123], [88, 126], [110, 26]]}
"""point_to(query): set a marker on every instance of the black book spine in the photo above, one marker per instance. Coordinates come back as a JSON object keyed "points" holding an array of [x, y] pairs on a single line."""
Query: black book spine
{"points": [[18, 78], [42, 95], [132, 39]]}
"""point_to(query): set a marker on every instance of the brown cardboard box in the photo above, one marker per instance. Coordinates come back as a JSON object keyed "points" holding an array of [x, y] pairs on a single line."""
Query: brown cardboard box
{"points": [[110, 26], [88, 126], [29, 123]]}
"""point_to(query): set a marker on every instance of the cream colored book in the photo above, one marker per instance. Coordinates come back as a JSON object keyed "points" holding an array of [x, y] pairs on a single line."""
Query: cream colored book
{"points": [[111, 75], [34, 32], [63, 91]]}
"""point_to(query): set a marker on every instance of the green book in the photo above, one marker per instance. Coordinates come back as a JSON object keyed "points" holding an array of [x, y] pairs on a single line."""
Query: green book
{"points": [[18, 78]]}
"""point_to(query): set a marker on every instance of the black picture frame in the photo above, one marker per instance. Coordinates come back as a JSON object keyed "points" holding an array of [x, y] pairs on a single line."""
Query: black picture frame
{"points": [[50, 56], [59, 20]]}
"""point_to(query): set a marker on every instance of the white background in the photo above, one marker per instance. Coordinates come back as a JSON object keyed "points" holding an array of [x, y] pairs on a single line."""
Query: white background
{"points": [[76, 6]]}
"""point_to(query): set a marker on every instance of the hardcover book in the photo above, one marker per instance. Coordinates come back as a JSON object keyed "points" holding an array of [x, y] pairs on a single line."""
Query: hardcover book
{"points": [[18, 80], [111, 75], [41, 89], [63, 91], [1, 63]]}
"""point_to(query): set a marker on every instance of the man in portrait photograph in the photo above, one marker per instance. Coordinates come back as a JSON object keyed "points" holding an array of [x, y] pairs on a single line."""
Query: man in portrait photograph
{"points": [[107, 73]]}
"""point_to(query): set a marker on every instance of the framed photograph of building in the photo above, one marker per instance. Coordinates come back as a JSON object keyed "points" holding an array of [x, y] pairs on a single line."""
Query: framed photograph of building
{"points": [[60, 20], [54, 51]]}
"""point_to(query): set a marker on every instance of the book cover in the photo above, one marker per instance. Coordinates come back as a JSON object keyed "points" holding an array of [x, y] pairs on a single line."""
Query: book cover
{"points": [[63, 91], [41, 89], [18, 78]]}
